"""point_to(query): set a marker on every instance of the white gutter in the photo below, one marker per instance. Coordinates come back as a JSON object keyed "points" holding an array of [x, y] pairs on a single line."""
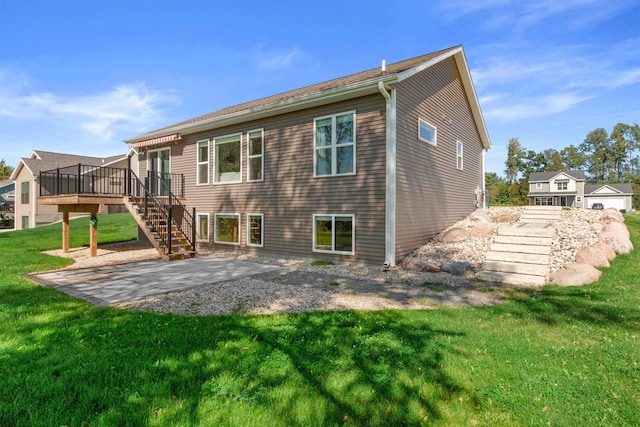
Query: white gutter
{"points": [[390, 189]]}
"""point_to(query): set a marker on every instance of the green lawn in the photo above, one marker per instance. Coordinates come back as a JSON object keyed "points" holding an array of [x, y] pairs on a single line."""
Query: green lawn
{"points": [[561, 357]]}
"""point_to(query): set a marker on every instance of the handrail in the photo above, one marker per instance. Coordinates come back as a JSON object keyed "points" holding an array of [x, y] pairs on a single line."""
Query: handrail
{"points": [[143, 197], [181, 217]]}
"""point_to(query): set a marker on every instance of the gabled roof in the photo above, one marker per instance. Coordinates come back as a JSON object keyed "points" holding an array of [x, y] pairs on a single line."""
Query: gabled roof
{"points": [[621, 188], [6, 183], [548, 176], [347, 87], [46, 160]]}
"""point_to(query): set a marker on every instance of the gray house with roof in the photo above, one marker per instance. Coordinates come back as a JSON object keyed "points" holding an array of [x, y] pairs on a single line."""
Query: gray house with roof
{"points": [[29, 212], [568, 188], [364, 167]]}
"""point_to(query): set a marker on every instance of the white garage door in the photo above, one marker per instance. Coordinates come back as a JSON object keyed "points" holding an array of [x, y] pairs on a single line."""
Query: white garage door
{"points": [[607, 202]]}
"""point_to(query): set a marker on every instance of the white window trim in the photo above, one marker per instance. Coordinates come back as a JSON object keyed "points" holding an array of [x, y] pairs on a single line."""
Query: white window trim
{"points": [[333, 146], [333, 239], [215, 228], [435, 133], [199, 238], [538, 185], [198, 162], [249, 156], [562, 189], [215, 160], [460, 155], [249, 215]]}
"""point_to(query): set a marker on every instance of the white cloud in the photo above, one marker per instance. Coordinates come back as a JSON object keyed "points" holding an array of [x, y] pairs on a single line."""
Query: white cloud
{"points": [[533, 107], [126, 107], [518, 16], [277, 60]]}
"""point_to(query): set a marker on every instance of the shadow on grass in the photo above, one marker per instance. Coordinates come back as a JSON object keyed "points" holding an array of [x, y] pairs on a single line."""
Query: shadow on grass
{"points": [[69, 363]]}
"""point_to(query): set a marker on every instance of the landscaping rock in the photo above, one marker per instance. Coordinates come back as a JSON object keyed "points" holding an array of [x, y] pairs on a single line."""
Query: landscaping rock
{"points": [[417, 264], [606, 249], [612, 214], [617, 235], [456, 234], [592, 273], [592, 255], [506, 218], [479, 216], [575, 275], [462, 269], [482, 229]]}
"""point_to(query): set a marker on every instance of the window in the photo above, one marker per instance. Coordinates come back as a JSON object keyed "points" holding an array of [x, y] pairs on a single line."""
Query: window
{"points": [[562, 185], [24, 193], [334, 142], [255, 157], [228, 159], [334, 234], [25, 222], [538, 185], [543, 201], [227, 229], [203, 162], [203, 227], [254, 230], [459, 154], [427, 132]]}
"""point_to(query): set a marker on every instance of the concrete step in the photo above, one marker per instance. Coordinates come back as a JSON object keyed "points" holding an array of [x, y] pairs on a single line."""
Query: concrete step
{"points": [[521, 249], [523, 240], [518, 257], [543, 208], [540, 215], [512, 267], [511, 278], [527, 231]]}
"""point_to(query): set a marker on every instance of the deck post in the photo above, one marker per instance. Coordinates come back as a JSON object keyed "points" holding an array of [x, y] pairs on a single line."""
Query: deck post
{"points": [[65, 232], [93, 235]]}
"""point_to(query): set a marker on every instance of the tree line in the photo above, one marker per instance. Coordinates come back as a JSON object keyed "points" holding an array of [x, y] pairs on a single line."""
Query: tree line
{"points": [[605, 157]]}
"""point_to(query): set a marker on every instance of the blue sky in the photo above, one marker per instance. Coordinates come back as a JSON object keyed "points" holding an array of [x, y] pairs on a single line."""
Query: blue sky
{"points": [[80, 76]]}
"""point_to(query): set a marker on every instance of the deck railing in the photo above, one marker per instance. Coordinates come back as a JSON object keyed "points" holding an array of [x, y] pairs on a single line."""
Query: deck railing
{"points": [[160, 193], [105, 181]]}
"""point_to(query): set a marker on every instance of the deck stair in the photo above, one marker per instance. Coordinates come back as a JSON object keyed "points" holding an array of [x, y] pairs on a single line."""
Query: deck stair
{"points": [[520, 254], [154, 225]]}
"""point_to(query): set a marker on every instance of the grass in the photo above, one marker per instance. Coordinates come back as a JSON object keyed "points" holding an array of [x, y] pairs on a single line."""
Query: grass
{"points": [[561, 356]]}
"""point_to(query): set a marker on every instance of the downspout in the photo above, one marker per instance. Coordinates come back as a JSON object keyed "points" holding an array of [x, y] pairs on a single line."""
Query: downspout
{"points": [[390, 189], [484, 184]]}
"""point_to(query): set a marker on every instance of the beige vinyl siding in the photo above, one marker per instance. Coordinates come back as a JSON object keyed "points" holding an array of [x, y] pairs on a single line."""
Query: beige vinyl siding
{"points": [[22, 209], [290, 195], [432, 193]]}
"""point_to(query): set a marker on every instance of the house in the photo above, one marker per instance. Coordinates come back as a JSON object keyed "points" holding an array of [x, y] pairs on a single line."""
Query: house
{"points": [[364, 168], [619, 196], [559, 188], [7, 195], [29, 211], [568, 188]]}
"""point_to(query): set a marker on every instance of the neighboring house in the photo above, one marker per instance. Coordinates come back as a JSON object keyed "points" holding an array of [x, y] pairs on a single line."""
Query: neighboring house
{"points": [[362, 168], [568, 188], [7, 194], [559, 188], [29, 212], [619, 196]]}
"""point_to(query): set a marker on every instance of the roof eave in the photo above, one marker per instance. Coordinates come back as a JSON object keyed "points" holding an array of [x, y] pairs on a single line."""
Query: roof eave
{"points": [[299, 103]]}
